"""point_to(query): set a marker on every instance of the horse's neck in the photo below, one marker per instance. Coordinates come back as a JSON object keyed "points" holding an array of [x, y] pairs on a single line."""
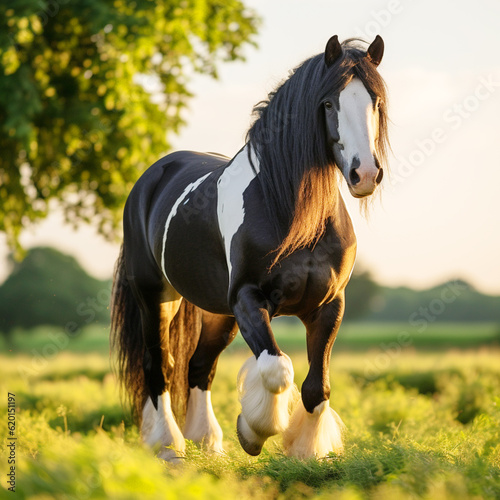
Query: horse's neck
{"points": [[247, 159], [244, 168]]}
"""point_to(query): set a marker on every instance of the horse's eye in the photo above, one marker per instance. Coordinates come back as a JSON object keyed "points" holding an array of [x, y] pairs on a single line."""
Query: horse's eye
{"points": [[328, 105]]}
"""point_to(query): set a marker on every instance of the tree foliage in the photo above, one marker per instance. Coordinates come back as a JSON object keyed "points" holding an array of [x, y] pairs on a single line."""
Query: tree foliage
{"points": [[455, 301], [360, 293], [79, 121], [50, 288]]}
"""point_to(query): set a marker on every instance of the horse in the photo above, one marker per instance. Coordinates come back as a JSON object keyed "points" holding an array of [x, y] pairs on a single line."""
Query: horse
{"points": [[212, 245]]}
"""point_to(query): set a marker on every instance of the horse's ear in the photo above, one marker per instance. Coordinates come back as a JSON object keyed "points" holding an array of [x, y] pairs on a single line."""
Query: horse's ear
{"points": [[333, 50], [375, 51]]}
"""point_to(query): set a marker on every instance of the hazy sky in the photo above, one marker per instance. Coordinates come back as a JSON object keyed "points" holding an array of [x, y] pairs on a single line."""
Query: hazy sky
{"points": [[439, 214]]}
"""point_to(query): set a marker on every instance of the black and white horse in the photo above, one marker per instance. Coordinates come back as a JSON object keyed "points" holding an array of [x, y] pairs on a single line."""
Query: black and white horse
{"points": [[213, 244]]}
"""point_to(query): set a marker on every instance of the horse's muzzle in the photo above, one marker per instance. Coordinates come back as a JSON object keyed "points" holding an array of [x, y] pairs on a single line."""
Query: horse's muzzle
{"points": [[363, 181]]}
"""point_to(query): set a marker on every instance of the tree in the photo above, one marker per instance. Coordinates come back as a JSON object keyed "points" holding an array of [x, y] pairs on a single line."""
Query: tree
{"points": [[360, 293], [78, 120], [50, 288]]}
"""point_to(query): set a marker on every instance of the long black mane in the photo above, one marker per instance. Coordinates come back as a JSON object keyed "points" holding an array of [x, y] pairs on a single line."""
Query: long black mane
{"points": [[297, 168]]}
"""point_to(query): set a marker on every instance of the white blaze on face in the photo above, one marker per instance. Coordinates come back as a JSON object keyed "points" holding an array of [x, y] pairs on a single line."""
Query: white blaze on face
{"points": [[357, 127]]}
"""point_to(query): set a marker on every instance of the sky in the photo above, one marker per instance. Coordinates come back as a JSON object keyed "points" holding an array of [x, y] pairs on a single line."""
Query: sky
{"points": [[438, 216]]}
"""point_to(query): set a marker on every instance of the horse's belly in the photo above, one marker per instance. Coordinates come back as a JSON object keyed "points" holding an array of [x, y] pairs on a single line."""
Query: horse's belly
{"points": [[199, 276], [193, 257]]}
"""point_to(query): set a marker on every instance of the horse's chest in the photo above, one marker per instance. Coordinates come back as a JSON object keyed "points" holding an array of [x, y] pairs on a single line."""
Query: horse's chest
{"points": [[307, 279]]}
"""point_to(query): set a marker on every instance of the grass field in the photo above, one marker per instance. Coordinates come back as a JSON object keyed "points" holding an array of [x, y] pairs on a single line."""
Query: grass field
{"points": [[420, 423], [290, 335]]}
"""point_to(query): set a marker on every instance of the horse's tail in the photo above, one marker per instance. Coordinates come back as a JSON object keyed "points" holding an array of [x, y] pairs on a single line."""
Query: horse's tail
{"points": [[180, 332], [126, 338]]}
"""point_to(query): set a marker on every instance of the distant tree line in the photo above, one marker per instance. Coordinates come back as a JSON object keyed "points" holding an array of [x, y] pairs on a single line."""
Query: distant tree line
{"points": [[455, 300], [51, 288]]}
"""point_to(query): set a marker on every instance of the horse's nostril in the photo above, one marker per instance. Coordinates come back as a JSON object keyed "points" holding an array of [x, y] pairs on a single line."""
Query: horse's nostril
{"points": [[380, 175], [353, 177]]}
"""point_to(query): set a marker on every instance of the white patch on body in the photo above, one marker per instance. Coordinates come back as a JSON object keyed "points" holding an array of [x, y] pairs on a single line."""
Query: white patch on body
{"points": [[264, 413], [230, 205], [201, 425], [159, 429], [313, 434], [182, 198], [357, 125]]}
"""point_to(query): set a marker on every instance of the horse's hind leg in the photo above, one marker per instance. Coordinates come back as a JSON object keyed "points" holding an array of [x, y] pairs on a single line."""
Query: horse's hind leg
{"points": [[158, 426], [201, 425]]}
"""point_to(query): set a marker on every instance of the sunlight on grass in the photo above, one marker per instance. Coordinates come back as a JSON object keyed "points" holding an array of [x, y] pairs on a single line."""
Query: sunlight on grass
{"points": [[424, 426]]}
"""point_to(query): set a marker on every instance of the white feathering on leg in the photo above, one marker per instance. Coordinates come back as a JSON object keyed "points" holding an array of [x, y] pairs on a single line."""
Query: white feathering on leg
{"points": [[201, 424], [159, 428], [314, 434], [148, 421], [266, 413], [276, 371]]}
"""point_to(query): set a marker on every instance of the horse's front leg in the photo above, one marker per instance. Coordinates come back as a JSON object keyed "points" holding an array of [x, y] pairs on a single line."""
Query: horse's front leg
{"points": [[315, 429], [265, 382]]}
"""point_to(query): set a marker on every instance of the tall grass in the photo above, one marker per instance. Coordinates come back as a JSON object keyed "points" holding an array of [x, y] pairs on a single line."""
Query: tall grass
{"points": [[423, 426]]}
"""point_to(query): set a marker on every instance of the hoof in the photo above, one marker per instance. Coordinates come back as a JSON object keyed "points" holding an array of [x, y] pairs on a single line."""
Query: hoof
{"points": [[314, 434], [170, 456], [252, 448]]}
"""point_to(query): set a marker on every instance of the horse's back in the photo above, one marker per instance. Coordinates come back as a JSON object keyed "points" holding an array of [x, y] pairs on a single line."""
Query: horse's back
{"points": [[162, 183], [172, 212], [184, 165]]}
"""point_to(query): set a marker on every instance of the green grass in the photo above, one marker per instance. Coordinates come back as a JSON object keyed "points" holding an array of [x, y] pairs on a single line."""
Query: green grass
{"points": [[420, 425], [49, 340], [435, 336], [290, 335]]}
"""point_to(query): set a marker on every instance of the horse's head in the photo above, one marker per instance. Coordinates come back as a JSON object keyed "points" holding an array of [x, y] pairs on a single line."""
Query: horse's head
{"points": [[353, 118]]}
